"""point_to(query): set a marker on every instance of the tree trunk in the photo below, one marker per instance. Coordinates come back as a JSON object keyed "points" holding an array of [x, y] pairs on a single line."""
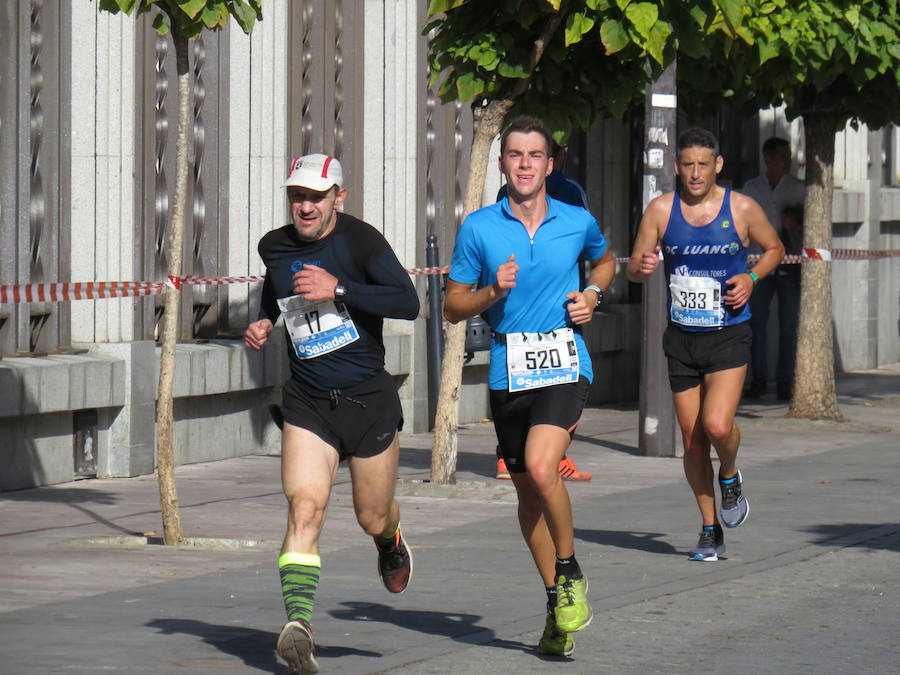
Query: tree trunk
{"points": [[168, 496], [443, 450], [815, 396]]}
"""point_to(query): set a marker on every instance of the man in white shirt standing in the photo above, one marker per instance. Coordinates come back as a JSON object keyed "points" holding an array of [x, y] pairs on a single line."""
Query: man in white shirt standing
{"points": [[774, 190]]}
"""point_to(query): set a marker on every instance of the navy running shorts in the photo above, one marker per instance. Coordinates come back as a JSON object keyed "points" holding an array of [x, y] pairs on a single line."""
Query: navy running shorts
{"points": [[693, 354], [359, 421], [515, 413]]}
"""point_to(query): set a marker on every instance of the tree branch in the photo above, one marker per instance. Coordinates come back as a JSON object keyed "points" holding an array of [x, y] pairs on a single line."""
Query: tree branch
{"points": [[540, 45]]}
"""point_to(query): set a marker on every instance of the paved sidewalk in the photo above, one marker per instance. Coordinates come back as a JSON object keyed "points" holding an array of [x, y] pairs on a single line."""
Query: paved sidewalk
{"points": [[811, 583]]}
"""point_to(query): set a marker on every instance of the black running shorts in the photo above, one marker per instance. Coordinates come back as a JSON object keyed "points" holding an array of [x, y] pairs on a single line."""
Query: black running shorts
{"points": [[693, 354], [359, 421], [515, 413]]}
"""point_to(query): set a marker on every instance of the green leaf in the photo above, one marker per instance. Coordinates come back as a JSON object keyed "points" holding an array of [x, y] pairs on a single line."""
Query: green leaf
{"points": [[512, 70], [614, 36], [731, 11], [656, 43], [468, 85], [554, 4], [116, 6], [191, 7], [643, 16], [577, 24], [443, 6], [244, 14], [852, 16], [191, 29], [214, 17], [161, 24], [767, 50]]}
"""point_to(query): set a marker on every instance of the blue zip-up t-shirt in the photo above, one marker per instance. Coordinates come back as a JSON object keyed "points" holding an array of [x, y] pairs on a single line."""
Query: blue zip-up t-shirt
{"points": [[548, 271], [712, 251]]}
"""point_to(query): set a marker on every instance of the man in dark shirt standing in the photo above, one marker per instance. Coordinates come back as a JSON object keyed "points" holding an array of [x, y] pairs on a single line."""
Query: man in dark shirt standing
{"points": [[334, 279]]}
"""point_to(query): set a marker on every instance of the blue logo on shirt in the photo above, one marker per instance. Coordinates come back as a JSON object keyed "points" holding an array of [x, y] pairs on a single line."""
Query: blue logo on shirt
{"points": [[297, 265]]}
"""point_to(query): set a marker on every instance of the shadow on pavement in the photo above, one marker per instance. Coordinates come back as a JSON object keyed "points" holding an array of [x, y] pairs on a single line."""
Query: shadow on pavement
{"points": [[867, 386], [639, 541], [454, 626], [888, 541], [610, 445], [62, 495], [256, 648], [479, 463], [75, 498]]}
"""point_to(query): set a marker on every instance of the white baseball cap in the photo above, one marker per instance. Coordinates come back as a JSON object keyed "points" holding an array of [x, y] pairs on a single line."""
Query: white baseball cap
{"points": [[316, 172]]}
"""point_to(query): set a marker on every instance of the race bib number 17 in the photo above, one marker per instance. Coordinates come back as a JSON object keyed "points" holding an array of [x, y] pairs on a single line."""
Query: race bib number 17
{"points": [[317, 327]]}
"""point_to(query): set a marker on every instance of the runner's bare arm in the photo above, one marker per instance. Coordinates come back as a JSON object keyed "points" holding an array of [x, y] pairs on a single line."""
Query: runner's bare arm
{"points": [[760, 231], [461, 302], [257, 334], [582, 305], [645, 254]]}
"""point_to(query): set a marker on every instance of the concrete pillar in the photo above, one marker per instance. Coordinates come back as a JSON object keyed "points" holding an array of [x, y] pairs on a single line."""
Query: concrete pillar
{"points": [[390, 151], [258, 144], [101, 212], [126, 435]]}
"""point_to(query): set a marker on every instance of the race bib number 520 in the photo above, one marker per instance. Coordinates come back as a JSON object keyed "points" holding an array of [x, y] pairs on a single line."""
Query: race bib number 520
{"points": [[317, 327], [536, 360]]}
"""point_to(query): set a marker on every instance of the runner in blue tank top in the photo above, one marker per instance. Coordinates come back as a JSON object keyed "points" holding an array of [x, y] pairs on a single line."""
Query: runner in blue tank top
{"points": [[517, 262], [703, 232], [698, 261]]}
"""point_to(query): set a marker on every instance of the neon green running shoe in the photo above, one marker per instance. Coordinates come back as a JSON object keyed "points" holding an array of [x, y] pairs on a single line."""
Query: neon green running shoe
{"points": [[572, 612], [554, 642]]}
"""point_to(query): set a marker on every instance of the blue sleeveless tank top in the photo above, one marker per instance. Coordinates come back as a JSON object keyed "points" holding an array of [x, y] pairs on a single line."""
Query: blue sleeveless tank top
{"points": [[698, 261]]}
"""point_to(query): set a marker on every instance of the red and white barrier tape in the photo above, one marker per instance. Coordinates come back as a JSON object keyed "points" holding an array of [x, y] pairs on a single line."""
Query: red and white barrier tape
{"points": [[84, 290], [430, 270], [97, 290]]}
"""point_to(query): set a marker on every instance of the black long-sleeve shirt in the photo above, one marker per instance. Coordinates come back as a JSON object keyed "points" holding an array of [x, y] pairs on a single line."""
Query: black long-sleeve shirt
{"points": [[378, 287]]}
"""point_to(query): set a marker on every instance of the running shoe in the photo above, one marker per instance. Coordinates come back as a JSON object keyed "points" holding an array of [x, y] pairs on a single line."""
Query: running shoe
{"points": [[554, 642], [710, 545], [502, 471], [567, 469], [572, 612], [296, 646], [734, 508], [395, 565]]}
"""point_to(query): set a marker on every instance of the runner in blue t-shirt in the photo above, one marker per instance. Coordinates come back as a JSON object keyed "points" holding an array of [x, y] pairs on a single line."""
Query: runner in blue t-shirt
{"points": [[561, 188], [703, 231], [517, 262]]}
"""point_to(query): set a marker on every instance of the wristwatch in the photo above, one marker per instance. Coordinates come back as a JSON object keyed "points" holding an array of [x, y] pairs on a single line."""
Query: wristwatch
{"points": [[597, 290], [339, 292]]}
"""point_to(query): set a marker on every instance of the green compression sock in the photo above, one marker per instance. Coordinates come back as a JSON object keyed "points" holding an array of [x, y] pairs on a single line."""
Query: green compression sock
{"points": [[299, 579]]}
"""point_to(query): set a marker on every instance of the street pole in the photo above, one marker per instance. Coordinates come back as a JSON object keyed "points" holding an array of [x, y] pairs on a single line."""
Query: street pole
{"points": [[656, 432], [434, 328]]}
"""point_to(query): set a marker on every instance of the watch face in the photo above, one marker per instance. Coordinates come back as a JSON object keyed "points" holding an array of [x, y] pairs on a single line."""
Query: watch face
{"points": [[339, 291]]}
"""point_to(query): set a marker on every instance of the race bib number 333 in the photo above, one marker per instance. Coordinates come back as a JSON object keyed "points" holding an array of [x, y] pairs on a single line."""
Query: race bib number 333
{"points": [[696, 301], [536, 360], [317, 327]]}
